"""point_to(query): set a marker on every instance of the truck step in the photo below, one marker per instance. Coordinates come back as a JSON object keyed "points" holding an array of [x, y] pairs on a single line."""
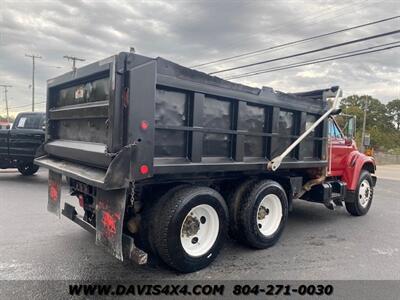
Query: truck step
{"points": [[330, 193], [337, 198]]}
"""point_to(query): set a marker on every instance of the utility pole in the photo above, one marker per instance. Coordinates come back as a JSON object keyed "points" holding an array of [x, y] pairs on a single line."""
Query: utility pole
{"points": [[74, 59], [364, 123], [6, 86], [33, 77]]}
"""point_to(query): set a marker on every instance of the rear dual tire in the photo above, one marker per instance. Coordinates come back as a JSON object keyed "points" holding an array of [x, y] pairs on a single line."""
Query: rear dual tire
{"points": [[259, 213], [189, 223], [188, 227]]}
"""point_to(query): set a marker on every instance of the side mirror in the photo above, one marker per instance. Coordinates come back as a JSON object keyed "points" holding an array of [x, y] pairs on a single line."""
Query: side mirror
{"points": [[351, 128]]}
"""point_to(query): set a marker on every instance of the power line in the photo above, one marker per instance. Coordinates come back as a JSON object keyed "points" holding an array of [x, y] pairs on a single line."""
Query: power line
{"points": [[319, 61], [318, 15], [256, 52], [6, 86], [33, 77], [74, 59], [255, 72], [26, 105], [308, 52]]}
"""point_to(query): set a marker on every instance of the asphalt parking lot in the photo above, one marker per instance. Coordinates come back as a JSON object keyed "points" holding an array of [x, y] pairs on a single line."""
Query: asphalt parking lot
{"points": [[317, 243]]}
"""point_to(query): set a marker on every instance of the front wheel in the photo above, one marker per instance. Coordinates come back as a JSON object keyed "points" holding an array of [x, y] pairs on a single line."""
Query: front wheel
{"points": [[28, 169], [362, 199], [190, 228]]}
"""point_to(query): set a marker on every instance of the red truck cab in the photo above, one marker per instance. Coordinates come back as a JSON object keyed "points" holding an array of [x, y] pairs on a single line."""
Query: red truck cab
{"points": [[351, 166]]}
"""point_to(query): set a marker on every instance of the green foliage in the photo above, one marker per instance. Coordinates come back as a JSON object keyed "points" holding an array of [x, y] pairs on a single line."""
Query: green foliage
{"points": [[394, 111], [382, 122]]}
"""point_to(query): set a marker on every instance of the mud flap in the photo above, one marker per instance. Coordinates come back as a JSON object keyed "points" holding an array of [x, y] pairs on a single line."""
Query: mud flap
{"points": [[54, 193], [110, 209]]}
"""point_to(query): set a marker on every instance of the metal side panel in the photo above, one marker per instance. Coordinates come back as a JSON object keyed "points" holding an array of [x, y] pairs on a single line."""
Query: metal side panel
{"points": [[110, 209], [163, 166], [141, 118]]}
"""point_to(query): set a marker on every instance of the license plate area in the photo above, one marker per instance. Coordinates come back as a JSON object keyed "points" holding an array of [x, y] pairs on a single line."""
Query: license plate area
{"points": [[77, 186]]}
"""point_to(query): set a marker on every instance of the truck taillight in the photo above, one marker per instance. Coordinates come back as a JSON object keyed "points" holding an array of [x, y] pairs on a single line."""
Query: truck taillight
{"points": [[144, 169], [144, 125]]}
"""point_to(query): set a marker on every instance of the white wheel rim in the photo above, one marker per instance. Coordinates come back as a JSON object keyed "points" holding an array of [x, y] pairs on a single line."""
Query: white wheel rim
{"points": [[199, 230], [364, 193], [269, 214]]}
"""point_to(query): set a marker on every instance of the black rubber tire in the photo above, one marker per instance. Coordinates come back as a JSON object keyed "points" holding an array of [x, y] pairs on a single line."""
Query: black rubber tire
{"points": [[165, 232], [28, 169], [355, 208], [151, 216], [249, 233], [233, 206]]}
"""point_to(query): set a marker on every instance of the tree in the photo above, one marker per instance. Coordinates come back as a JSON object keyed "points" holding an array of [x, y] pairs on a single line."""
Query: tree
{"points": [[377, 112], [394, 111], [379, 123]]}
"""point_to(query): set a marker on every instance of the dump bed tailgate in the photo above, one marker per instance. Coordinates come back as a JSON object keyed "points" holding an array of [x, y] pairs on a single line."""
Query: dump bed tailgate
{"points": [[84, 113]]}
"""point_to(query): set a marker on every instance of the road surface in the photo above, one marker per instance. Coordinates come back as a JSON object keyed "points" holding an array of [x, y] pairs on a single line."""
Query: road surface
{"points": [[317, 243]]}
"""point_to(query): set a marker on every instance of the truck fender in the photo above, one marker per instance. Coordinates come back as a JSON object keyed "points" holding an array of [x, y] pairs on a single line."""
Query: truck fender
{"points": [[356, 162]]}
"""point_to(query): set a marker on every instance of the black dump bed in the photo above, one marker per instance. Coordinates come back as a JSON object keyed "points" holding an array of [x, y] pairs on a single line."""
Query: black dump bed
{"points": [[131, 117]]}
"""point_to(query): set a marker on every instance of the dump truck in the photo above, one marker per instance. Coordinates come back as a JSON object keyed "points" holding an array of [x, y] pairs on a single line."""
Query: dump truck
{"points": [[166, 160]]}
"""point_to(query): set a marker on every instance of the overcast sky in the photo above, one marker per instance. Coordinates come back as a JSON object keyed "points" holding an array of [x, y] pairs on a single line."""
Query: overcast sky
{"points": [[192, 32]]}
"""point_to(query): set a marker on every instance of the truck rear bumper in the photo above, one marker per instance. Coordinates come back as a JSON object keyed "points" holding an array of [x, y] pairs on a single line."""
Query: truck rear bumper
{"points": [[89, 175], [116, 176]]}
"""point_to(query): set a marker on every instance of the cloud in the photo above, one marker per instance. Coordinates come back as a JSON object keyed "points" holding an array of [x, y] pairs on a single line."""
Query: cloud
{"points": [[192, 32]]}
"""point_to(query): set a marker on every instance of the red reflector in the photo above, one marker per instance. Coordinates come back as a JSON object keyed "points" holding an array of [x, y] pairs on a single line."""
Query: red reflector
{"points": [[109, 224], [144, 169], [81, 200], [53, 192], [144, 125]]}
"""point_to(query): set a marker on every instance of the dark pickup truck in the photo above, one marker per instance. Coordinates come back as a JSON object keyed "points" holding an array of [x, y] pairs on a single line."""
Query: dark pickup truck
{"points": [[18, 145]]}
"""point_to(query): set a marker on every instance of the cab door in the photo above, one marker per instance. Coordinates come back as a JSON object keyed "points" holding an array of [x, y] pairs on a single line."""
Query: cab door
{"points": [[339, 148]]}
